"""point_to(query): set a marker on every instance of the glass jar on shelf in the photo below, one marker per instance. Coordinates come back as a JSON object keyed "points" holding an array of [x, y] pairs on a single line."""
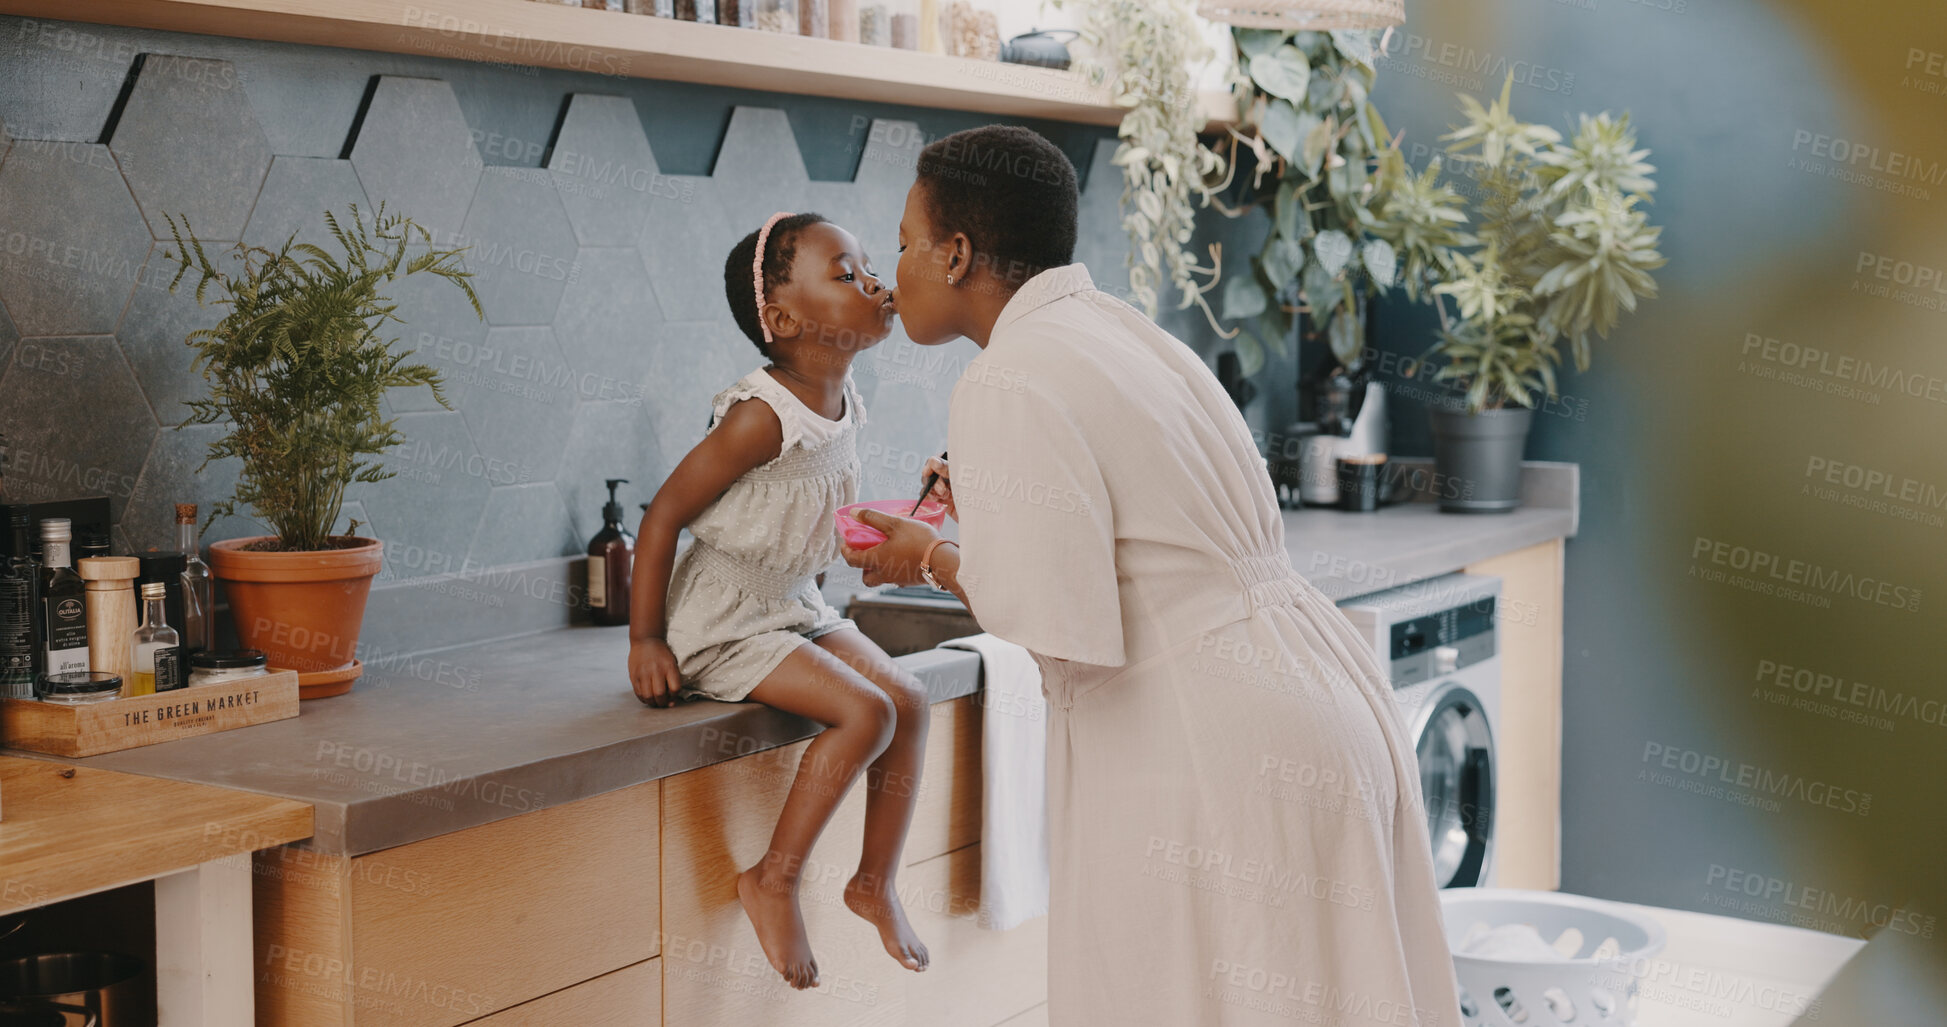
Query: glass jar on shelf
{"points": [[905, 23], [844, 21], [701, 11], [875, 22], [737, 13], [814, 18], [778, 16]]}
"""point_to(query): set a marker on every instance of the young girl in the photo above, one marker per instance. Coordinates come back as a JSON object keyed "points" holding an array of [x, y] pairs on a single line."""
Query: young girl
{"points": [[744, 617]]}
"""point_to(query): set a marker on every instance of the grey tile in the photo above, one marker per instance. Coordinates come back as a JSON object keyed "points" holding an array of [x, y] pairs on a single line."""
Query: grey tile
{"points": [[189, 145], [297, 192], [885, 174], [175, 474], [74, 420], [520, 401], [759, 169], [905, 424], [76, 239], [608, 325], [415, 154], [524, 523], [1100, 240], [684, 245], [6, 141], [610, 440], [520, 246], [603, 168], [440, 328], [427, 512], [154, 333], [696, 362]]}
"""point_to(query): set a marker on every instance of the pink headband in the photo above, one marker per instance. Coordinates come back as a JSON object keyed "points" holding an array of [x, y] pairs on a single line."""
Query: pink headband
{"points": [[757, 270]]}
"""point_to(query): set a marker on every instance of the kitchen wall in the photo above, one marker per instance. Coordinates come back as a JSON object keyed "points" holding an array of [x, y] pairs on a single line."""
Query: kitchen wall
{"points": [[599, 210], [1753, 714]]}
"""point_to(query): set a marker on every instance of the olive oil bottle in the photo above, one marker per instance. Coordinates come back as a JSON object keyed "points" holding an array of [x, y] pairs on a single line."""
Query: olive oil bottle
{"points": [[61, 631]]}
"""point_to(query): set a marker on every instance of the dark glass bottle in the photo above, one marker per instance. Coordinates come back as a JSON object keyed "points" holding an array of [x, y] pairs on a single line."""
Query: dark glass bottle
{"points": [[62, 631], [19, 589], [611, 560]]}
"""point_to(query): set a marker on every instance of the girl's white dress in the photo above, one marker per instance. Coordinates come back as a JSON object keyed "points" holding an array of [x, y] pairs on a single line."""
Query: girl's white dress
{"points": [[743, 596], [1236, 827]]}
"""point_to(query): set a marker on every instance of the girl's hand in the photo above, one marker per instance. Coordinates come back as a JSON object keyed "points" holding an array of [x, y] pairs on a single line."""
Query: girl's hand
{"points": [[896, 560], [653, 672], [942, 491]]}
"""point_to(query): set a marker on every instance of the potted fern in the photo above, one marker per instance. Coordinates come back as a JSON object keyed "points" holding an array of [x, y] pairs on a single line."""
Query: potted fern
{"points": [[297, 368], [1560, 248]]}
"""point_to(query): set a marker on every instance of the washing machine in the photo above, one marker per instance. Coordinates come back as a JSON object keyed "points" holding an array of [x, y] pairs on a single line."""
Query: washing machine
{"points": [[1438, 639]]}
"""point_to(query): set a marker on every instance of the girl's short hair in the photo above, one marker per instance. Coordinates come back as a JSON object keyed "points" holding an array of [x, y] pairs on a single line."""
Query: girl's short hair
{"points": [[780, 250], [1010, 190]]}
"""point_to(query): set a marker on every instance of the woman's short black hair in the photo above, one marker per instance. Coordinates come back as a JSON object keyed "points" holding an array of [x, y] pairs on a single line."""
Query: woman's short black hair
{"points": [[780, 250], [1010, 190]]}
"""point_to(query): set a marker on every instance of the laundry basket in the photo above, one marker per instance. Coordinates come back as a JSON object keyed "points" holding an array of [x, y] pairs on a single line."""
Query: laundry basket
{"points": [[1604, 951]]}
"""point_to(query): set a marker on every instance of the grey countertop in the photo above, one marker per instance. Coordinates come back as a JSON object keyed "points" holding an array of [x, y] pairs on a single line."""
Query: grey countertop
{"points": [[446, 740]]}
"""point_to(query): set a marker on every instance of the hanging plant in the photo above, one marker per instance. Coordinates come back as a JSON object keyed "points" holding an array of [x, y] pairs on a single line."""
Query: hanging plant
{"points": [[1144, 50], [1346, 217]]}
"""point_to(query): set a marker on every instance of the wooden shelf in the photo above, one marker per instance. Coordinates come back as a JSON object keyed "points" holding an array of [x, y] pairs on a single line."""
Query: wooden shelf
{"points": [[72, 830], [625, 45]]}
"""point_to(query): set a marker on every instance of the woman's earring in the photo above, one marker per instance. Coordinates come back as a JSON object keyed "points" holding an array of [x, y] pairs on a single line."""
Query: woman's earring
{"points": [[949, 279]]}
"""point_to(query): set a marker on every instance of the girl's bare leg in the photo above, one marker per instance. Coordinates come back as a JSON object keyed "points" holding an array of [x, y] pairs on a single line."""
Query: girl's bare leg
{"points": [[892, 790], [858, 720]]}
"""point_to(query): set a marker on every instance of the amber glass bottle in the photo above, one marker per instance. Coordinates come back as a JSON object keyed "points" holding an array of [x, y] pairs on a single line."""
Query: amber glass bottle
{"points": [[611, 558]]}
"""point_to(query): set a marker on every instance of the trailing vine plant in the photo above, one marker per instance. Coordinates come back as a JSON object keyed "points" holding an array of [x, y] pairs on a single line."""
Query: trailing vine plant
{"points": [[1145, 50]]}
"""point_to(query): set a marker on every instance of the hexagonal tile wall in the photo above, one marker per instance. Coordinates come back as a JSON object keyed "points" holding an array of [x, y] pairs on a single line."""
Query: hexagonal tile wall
{"points": [[6, 141], [429, 509], [441, 328], [758, 169], [608, 325], [685, 375], [520, 402], [610, 440], [415, 154], [190, 145], [1100, 241], [174, 473], [684, 245], [75, 421], [525, 523], [885, 174], [155, 331], [8, 335], [603, 168], [297, 192], [520, 246], [76, 239]]}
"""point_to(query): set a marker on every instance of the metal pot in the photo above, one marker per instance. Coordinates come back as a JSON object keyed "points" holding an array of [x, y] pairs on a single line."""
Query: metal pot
{"points": [[100, 983], [1039, 48], [32, 1013], [1478, 457]]}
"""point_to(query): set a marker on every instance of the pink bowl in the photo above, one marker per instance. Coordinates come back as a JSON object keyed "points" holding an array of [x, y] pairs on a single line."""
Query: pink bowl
{"points": [[860, 535]]}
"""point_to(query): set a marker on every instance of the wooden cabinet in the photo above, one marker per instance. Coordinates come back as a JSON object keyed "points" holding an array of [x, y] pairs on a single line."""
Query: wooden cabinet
{"points": [[629, 997], [450, 929], [1528, 801]]}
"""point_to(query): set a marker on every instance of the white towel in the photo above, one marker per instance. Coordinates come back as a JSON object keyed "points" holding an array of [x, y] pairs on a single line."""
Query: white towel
{"points": [[1014, 772]]}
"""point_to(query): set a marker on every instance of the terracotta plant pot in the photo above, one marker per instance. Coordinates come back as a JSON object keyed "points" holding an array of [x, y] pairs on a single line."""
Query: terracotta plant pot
{"points": [[304, 610]]}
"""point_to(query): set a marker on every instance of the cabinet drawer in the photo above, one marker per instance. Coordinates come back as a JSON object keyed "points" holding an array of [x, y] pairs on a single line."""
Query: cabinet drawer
{"points": [[451, 928], [978, 977], [629, 997]]}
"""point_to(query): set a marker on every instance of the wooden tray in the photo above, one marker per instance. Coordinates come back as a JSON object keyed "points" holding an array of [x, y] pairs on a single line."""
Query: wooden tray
{"points": [[86, 729]]}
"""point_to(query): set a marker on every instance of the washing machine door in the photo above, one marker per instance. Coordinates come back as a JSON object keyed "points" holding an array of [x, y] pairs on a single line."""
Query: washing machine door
{"points": [[1456, 753]]}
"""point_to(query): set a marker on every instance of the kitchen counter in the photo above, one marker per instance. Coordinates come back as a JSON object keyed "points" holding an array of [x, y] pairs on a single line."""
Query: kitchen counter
{"points": [[469, 735]]}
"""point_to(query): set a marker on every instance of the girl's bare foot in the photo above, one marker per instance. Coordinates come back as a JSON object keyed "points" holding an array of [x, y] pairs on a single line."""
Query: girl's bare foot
{"points": [[874, 899], [773, 912]]}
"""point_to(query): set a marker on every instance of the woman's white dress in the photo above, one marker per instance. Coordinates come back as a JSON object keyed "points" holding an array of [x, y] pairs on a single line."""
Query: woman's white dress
{"points": [[1237, 834]]}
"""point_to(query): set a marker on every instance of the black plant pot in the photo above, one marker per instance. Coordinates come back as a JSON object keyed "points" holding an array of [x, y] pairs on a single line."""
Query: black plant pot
{"points": [[1477, 458]]}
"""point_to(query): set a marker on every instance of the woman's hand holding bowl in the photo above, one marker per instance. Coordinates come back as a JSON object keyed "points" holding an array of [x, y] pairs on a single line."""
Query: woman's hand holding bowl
{"points": [[896, 560]]}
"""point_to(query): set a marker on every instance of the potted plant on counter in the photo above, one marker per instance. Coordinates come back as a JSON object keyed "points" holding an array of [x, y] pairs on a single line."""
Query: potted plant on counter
{"points": [[297, 368], [1560, 248]]}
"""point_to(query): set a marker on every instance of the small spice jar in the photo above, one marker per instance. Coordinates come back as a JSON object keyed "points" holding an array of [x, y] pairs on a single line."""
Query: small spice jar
{"points": [[217, 667], [778, 16], [81, 686]]}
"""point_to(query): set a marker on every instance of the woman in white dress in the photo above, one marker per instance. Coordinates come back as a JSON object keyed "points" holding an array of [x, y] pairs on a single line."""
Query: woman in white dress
{"points": [[1237, 833]]}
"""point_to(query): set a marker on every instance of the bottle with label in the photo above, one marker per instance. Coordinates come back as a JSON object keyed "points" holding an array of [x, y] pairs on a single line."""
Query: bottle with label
{"points": [[199, 586], [61, 631], [158, 649], [19, 587], [611, 560]]}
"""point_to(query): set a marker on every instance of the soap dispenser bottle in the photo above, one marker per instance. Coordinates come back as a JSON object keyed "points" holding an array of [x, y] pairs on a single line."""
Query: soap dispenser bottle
{"points": [[611, 556]]}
